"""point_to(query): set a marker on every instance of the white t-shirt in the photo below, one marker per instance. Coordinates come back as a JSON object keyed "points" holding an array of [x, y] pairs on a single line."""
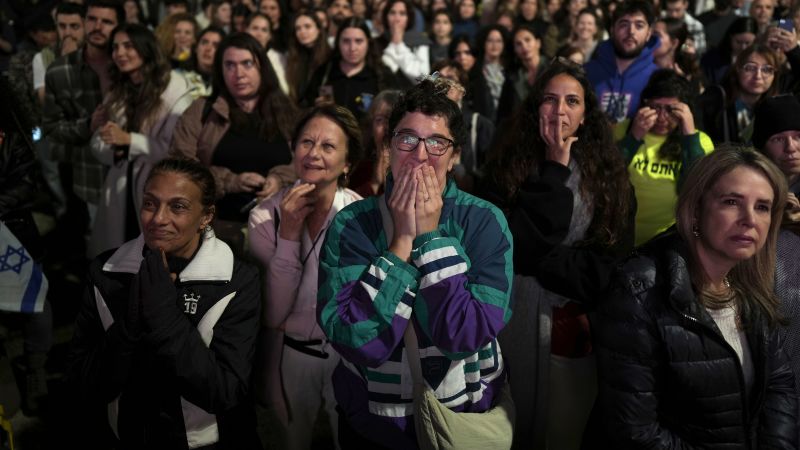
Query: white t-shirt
{"points": [[38, 71]]}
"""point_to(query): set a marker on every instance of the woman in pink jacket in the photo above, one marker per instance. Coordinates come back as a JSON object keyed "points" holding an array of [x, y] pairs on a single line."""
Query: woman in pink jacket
{"points": [[286, 234]]}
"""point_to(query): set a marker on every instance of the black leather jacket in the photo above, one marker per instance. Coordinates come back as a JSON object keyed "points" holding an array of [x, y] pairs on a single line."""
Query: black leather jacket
{"points": [[667, 377]]}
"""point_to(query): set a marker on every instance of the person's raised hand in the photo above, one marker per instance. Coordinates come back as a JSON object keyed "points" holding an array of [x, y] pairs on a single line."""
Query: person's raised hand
{"points": [[272, 184], [402, 209], [428, 207], [683, 113], [296, 205], [113, 134], [248, 182], [558, 148], [645, 119]]}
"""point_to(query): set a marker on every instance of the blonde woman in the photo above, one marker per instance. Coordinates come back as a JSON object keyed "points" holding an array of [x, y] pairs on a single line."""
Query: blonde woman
{"points": [[688, 347]]}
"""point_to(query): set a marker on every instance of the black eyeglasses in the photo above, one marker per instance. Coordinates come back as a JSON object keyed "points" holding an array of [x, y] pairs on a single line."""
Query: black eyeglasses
{"points": [[434, 145]]}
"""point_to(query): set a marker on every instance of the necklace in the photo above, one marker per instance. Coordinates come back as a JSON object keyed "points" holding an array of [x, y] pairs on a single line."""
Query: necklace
{"points": [[314, 245]]}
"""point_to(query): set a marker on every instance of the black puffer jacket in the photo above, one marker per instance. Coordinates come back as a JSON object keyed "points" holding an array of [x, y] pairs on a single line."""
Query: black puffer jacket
{"points": [[667, 377]]}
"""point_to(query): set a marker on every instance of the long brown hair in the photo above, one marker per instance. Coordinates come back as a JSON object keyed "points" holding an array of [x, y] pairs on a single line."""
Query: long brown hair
{"points": [[301, 62], [277, 111], [754, 277], [140, 102], [604, 177]]}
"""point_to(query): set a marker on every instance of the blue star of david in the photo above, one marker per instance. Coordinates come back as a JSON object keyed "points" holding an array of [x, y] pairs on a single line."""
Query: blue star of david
{"points": [[5, 264]]}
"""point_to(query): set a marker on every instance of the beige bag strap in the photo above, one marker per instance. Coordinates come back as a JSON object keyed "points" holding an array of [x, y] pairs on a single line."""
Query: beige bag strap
{"points": [[410, 336]]}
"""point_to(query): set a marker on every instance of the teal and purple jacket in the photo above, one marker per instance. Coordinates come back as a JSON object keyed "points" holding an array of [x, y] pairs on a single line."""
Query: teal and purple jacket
{"points": [[456, 291]]}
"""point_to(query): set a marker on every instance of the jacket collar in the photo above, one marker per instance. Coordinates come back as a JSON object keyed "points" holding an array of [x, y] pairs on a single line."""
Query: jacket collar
{"points": [[213, 261]]}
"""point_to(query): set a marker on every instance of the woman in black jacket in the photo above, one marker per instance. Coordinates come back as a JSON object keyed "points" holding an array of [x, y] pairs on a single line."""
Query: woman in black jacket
{"points": [[164, 339], [688, 350], [571, 211]]}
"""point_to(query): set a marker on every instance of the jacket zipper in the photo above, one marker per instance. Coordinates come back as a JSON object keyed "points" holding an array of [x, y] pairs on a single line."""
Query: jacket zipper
{"points": [[740, 373]]}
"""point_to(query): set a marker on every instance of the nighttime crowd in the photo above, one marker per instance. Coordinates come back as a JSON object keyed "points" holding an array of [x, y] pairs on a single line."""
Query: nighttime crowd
{"points": [[538, 224]]}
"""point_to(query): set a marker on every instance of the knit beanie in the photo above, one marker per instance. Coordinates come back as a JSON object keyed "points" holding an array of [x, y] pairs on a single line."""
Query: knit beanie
{"points": [[775, 115]]}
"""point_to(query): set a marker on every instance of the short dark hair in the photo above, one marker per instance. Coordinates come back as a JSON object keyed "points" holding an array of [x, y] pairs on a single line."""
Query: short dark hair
{"points": [[69, 9], [195, 171], [42, 22], [632, 7], [349, 125], [178, 2], [429, 99], [212, 29], [109, 4], [668, 83]]}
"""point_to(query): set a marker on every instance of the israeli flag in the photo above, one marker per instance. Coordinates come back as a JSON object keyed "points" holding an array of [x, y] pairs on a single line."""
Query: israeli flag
{"points": [[23, 286]]}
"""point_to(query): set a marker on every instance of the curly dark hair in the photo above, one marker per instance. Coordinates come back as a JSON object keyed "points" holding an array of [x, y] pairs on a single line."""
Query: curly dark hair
{"points": [[666, 83], [604, 177], [429, 98]]}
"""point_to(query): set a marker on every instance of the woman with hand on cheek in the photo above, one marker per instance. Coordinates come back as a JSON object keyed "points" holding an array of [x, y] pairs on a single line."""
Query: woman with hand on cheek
{"points": [[571, 211], [286, 234], [426, 260]]}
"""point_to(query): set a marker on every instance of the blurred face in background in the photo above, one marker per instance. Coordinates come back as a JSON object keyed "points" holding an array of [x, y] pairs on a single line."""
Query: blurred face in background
{"points": [[306, 31], [526, 45], [70, 26], [493, 49], [464, 57], [360, 9], [222, 16], [528, 9], [184, 35], [741, 41], [271, 9], [442, 27], [353, 46], [466, 9], [259, 29], [131, 11], [762, 11], [398, 16], [586, 27], [677, 9], [206, 50]]}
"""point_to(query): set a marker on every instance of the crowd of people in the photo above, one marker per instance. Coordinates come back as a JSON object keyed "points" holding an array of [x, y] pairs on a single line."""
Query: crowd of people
{"points": [[578, 218]]}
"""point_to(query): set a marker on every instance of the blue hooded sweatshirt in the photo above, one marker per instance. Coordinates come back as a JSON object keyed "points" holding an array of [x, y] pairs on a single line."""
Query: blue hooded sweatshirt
{"points": [[617, 93]]}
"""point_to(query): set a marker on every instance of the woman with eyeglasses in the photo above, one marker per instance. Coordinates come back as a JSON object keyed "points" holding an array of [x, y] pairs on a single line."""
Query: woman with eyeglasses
{"points": [[570, 206], [659, 145], [727, 109], [423, 256], [286, 235]]}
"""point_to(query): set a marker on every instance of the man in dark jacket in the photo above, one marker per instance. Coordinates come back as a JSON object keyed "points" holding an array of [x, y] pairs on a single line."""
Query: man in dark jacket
{"points": [[622, 65]]}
